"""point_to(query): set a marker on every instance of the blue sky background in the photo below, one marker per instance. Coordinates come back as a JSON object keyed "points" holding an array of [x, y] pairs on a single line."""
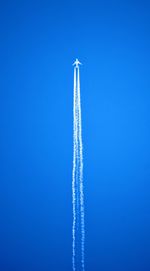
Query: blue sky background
{"points": [[39, 41]]}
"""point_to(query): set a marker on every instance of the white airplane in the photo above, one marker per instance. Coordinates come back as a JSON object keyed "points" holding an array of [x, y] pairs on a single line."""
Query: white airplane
{"points": [[77, 63]]}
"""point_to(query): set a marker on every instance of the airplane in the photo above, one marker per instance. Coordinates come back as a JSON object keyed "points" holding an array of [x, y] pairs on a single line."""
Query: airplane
{"points": [[77, 63]]}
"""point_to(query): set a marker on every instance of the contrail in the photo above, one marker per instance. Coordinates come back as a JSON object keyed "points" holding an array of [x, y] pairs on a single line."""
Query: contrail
{"points": [[73, 175], [78, 225]]}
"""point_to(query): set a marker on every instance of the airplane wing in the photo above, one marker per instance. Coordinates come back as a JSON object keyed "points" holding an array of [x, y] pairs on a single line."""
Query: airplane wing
{"points": [[77, 62]]}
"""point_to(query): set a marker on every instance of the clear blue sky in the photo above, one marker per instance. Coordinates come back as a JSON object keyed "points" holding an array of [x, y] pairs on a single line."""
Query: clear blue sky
{"points": [[39, 40]]}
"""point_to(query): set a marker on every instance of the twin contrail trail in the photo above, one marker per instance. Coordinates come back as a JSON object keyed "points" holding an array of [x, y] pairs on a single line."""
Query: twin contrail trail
{"points": [[78, 225]]}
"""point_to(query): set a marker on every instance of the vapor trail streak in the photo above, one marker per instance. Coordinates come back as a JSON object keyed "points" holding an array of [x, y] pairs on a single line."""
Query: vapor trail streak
{"points": [[73, 174], [78, 226], [81, 177]]}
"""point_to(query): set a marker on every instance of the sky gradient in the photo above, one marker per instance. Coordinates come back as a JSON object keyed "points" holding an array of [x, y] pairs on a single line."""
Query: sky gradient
{"points": [[39, 42]]}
